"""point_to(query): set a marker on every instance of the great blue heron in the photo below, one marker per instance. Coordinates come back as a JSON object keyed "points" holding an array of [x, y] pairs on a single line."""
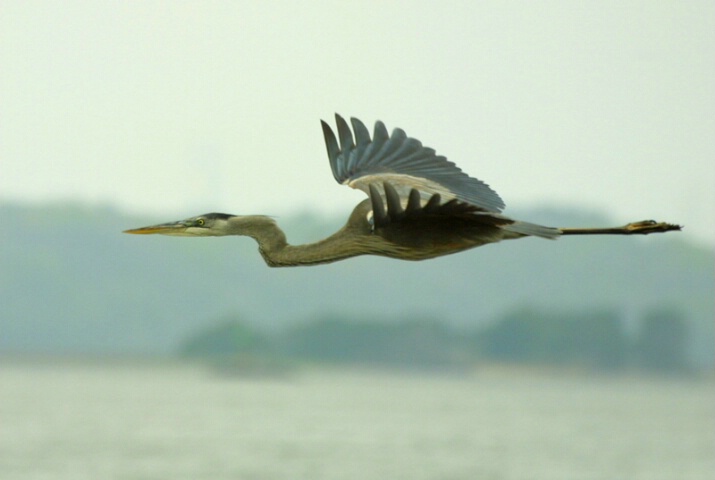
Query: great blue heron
{"points": [[420, 206]]}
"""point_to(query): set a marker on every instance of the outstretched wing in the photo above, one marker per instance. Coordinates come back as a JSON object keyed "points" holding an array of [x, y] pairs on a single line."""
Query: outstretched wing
{"points": [[403, 162], [411, 180]]}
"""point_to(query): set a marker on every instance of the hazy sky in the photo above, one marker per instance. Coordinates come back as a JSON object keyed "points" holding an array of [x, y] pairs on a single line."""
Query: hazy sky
{"points": [[184, 107]]}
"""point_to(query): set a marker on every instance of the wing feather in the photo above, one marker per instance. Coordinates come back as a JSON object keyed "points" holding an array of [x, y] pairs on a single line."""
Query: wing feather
{"points": [[361, 162]]}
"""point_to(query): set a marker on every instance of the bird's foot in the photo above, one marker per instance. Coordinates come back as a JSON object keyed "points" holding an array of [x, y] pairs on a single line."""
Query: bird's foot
{"points": [[650, 226]]}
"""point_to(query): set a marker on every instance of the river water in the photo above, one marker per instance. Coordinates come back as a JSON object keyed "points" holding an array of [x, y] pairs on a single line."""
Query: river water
{"points": [[83, 420]]}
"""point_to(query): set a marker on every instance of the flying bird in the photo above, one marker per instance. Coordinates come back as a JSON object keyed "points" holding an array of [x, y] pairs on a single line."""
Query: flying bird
{"points": [[419, 206]]}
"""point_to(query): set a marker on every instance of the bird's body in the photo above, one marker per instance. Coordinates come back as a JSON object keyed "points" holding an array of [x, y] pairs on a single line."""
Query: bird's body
{"points": [[420, 206], [427, 236]]}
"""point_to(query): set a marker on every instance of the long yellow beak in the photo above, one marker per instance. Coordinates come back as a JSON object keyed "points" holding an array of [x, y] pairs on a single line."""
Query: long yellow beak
{"points": [[164, 228]]}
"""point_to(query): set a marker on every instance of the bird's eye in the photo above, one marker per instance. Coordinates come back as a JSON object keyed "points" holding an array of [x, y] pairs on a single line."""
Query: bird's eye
{"points": [[200, 222]]}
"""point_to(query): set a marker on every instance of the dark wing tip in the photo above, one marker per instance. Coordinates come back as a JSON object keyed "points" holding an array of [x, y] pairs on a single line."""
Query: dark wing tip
{"points": [[331, 145]]}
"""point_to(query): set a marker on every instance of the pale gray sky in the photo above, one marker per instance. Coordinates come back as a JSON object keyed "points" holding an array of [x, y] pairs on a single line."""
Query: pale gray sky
{"points": [[184, 107]]}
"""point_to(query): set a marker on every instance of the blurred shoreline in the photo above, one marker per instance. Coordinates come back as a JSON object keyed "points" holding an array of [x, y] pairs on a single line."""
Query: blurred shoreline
{"points": [[478, 371]]}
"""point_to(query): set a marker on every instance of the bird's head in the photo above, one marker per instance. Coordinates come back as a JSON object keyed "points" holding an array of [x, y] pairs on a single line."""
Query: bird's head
{"points": [[207, 225]]}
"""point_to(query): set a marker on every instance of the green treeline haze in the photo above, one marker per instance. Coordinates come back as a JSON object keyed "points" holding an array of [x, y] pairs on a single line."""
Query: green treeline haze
{"points": [[72, 284], [594, 341]]}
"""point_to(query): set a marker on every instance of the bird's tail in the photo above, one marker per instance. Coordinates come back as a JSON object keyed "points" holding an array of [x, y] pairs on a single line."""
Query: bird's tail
{"points": [[532, 229]]}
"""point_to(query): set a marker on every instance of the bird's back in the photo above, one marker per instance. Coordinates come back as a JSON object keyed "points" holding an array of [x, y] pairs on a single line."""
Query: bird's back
{"points": [[422, 234]]}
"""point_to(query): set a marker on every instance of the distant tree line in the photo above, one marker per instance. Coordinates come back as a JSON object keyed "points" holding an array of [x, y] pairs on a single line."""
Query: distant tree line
{"points": [[595, 340]]}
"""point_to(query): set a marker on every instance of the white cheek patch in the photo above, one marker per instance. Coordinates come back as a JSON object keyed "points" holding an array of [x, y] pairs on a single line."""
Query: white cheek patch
{"points": [[194, 232]]}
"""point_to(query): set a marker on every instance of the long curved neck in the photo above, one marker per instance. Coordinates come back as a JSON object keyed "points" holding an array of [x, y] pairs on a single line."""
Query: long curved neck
{"points": [[347, 242]]}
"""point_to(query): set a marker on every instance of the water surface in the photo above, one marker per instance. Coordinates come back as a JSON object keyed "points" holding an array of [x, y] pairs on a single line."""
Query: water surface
{"points": [[83, 420]]}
